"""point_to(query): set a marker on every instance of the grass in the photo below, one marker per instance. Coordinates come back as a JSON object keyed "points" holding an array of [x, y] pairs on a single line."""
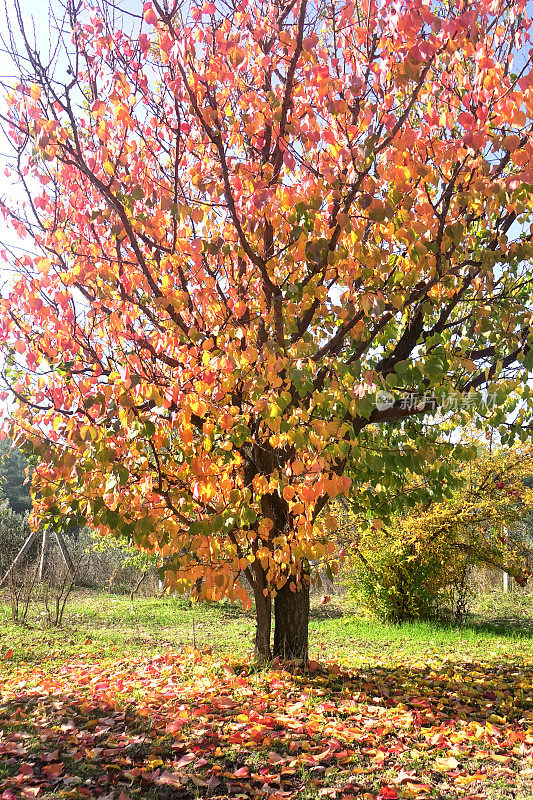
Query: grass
{"points": [[94, 698], [104, 625]]}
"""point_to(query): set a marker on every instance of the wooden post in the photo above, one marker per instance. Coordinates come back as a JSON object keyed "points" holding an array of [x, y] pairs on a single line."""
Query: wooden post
{"points": [[65, 553], [505, 575], [43, 554], [20, 555]]}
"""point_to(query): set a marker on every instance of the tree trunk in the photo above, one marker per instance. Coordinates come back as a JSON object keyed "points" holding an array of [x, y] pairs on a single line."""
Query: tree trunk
{"points": [[263, 619], [291, 631], [263, 616]]}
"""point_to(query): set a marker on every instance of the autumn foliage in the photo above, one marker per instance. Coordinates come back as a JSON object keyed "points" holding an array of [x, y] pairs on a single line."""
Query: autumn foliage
{"points": [[246, 218]]}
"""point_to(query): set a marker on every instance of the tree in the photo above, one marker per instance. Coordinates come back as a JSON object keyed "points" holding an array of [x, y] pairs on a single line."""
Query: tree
{"points": [[421, 559], [14, 531], [14, 485], [269, 236]]}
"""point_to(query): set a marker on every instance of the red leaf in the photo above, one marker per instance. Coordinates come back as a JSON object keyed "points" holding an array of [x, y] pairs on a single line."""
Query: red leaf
{"points": [[243, 772], [185, 760], [53, 770], [170, 778], [387, 793]]}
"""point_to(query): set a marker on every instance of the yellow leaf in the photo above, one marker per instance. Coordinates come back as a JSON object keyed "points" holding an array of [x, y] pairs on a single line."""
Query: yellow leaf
{"points": [[466, 780], [274, 411], [446, 764], [43, 265]]}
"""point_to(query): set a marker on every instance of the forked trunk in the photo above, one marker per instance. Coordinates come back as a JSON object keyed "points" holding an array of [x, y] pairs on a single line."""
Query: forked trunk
{"points": [[291, 631]]}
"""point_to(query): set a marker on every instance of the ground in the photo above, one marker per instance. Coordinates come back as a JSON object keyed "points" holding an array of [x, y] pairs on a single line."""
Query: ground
{"points": [[159, 699]]}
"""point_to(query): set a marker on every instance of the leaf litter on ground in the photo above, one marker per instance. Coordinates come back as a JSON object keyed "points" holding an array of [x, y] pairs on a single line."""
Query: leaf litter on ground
{"points": [[193, 724]]}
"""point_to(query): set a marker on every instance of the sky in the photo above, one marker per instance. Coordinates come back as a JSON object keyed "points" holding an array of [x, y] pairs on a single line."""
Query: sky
{"points": [[36, 14]]}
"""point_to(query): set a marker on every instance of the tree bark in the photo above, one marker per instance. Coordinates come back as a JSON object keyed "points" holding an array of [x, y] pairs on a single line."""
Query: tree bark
{"points": [[291, 614], [263, 616]]}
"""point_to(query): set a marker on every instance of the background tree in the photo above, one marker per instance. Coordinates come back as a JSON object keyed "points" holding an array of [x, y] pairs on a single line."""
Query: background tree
{"points": [[14, 483], [126, 558], [14, 530], [249, 218], [419, 564], [15, 504]]}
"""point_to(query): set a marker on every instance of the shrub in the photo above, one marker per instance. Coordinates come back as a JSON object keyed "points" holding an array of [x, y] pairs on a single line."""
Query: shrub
{"points": [[417, 564]]}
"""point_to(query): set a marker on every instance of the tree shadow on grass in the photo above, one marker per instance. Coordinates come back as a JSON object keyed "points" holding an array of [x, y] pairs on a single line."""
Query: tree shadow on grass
{"points": [[466, 691], [183, 726], [502, 626], [226, 610]]}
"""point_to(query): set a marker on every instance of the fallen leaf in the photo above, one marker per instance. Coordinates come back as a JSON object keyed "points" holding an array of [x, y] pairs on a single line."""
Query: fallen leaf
{"points": [[446, 764]]}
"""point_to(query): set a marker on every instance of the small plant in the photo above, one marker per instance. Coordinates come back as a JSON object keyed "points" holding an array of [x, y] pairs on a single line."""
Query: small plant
{"points": [[56, 593], [397, 585], [62, 571], [131, 566], [21, 584]]}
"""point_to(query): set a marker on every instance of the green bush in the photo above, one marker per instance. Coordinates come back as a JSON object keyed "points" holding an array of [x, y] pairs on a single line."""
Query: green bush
{"points": [[400, 585], [416, 564]]}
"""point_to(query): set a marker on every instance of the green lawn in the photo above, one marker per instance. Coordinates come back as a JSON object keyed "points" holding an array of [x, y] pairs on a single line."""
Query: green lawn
{"points": [[104, 625], [159, 699]]}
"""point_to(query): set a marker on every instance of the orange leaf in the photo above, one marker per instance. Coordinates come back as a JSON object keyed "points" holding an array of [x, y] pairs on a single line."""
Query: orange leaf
{"points": [[288, 493]]}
